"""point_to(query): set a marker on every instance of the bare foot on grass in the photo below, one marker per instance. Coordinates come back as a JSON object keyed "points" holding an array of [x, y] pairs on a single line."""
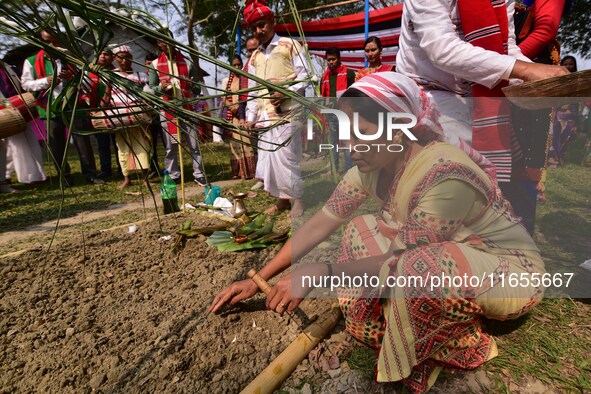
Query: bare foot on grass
{"points": [[297, 208], [126, 182], [280, 206]]}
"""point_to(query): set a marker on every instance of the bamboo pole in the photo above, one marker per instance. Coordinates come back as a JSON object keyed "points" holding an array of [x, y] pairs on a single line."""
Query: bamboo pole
{"points": [[261, 283], [181, 164], [280, 368]]}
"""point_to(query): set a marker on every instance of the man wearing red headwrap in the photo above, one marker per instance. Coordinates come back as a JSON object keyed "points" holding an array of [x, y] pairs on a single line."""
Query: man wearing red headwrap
{"points": [[280, 61]]}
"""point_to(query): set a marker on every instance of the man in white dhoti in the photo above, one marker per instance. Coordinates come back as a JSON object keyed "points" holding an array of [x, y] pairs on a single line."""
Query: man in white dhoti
{"points": [[21, 153], [276, 60]]}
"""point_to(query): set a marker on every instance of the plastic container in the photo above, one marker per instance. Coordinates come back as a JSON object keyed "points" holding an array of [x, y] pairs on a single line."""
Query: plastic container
{"points": [[211, 193], [170, 200]]}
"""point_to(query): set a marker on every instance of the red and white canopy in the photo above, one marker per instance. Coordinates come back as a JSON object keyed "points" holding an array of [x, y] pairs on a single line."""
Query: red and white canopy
{"points": [[348, 34]]}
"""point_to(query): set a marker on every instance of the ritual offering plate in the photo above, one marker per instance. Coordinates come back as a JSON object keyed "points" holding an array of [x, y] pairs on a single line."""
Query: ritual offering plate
{"points": [[547, 93]]}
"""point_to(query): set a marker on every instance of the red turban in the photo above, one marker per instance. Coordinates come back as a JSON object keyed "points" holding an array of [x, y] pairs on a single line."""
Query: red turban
{"points": [[255, 10]]}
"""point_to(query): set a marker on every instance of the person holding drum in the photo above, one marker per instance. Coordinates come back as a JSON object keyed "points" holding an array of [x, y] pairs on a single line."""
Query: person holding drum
{"points": [[38, 78], [133, 139], [20, 152]]}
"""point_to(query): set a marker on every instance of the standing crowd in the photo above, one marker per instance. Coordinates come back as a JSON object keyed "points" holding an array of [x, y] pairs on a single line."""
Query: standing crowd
{"points": [[117, 118]]}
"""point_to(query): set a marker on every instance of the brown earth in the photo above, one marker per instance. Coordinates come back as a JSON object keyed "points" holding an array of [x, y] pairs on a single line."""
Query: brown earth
{"points": [[120, 312]]}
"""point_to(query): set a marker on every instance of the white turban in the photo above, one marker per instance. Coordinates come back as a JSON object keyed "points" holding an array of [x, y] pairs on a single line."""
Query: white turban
{"points": [[122, 48]]}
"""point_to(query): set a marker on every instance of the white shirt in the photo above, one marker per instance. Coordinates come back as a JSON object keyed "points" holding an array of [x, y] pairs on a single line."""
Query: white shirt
{"points": [[30, 84], [301, 71], [432, 48]]}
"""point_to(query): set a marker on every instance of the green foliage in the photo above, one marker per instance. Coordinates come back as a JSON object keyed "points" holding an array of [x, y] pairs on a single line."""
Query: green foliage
{"points": [[217, 26], [257, 234], [363, 359], [574, 33]]}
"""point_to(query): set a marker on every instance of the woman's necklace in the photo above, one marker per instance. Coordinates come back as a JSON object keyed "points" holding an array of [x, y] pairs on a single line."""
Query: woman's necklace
{"points": [[374, 69]]}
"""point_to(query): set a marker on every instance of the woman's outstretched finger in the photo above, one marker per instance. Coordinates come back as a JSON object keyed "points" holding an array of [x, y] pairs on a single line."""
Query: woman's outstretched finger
{"points": [[221, 299]]}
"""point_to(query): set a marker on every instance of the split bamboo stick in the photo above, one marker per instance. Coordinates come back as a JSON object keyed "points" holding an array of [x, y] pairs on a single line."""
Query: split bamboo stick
{"points": [[286, 362], [280, 368]]}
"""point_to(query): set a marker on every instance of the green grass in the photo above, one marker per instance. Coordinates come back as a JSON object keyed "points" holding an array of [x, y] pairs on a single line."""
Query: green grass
{"points": [[66, 232], [553, 343], [552, 346], [564, 221], [363, 359], [46, 201]]}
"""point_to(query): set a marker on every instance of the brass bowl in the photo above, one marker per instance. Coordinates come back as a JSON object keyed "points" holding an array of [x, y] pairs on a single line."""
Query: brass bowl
{"points": [[240, 239]]}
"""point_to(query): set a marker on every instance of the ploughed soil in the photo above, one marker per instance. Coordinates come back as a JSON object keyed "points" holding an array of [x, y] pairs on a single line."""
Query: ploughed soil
{"points": [[118, 311]]}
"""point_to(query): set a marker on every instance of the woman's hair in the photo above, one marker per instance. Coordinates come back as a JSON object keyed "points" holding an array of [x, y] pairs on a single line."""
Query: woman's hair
{"points": [[236, 57], [571, 58], [375, 40], [333, 51], [151, 56]]}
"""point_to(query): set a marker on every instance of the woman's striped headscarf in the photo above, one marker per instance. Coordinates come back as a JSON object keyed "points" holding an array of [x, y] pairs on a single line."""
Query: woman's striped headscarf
{"points": [[398, 93]]}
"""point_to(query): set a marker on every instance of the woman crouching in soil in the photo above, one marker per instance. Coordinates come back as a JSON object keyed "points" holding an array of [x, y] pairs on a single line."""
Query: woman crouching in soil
{"points": [[442, 214]]}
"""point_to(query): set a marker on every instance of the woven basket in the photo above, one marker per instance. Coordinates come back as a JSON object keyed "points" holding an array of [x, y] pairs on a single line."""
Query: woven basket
{"points": [[11, 122], [547, 93]]}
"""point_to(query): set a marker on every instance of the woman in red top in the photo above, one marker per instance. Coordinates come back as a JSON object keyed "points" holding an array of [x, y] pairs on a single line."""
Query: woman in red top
{"points": [[536, 25], [373, 53]]}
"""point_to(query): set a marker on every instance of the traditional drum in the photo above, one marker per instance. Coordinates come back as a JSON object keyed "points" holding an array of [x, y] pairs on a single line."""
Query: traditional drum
{"points": [[11, 122], [115, 118], [24, 103]]}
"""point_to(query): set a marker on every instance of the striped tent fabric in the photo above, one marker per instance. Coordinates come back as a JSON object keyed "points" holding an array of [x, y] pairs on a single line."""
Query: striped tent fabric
{"points": [[348, 34]]}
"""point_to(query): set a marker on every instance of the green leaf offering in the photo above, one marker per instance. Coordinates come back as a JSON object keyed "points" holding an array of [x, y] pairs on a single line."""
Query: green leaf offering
{"points": [[259, 235]]}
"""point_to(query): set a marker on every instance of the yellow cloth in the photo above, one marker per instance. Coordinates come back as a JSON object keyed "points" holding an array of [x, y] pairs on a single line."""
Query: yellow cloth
{"points": [[133, 147], [277, 68], [242, 162], [443, 215]]}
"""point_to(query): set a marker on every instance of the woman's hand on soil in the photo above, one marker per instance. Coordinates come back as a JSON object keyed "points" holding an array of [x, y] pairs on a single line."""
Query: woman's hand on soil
{"points": [[234, 293], [280, 298], [289, 291]]}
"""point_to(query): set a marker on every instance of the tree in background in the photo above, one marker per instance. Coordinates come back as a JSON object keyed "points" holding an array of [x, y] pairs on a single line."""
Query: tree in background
{"points": [[217, 27], [574, 33]]}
